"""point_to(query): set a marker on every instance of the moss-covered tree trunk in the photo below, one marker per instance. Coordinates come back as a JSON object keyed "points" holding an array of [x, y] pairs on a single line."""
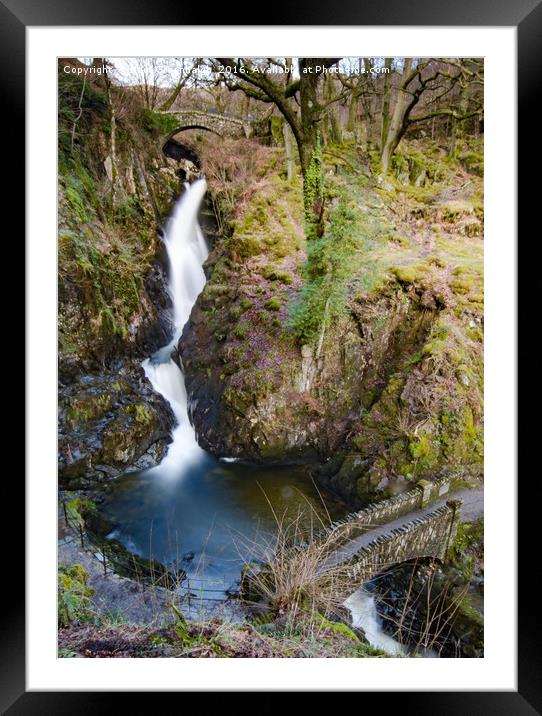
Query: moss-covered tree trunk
{"points": [[351, 124], [288, 147], [287, 131], [397, 122], [333, 125], [310, 145], [386, 103]]}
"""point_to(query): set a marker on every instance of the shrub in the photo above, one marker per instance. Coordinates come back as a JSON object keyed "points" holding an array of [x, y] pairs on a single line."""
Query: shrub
{"points": [[74, 594], [326, 271]]}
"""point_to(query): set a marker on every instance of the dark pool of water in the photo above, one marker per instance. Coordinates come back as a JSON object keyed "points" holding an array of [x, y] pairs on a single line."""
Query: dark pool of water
{"points": [[207, 519]]}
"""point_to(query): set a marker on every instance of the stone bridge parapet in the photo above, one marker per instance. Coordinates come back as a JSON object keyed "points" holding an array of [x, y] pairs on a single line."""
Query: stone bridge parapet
{"points": [[379, 513], [222, 125], [429, 536]]}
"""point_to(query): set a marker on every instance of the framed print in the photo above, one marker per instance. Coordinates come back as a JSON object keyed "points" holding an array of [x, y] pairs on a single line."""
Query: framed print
{"points": [[271, 354]]}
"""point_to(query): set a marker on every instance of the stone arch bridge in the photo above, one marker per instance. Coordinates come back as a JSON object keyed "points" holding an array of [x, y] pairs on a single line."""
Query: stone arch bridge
{"points": [[223, 125], [420, 523]]}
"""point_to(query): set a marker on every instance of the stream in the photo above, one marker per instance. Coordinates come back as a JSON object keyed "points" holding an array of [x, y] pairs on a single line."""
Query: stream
{"points": [[195, 512]]}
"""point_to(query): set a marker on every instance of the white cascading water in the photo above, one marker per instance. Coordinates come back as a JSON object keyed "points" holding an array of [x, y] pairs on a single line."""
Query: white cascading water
{"points": [[186, 250], [363, 609]]}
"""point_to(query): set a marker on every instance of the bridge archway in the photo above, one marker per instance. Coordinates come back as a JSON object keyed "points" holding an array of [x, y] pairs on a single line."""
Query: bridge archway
{"points": [[221, 125], [186, 128]]}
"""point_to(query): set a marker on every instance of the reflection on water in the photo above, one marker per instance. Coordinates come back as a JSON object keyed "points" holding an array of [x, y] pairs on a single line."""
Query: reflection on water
{"points": [[206, 519]]}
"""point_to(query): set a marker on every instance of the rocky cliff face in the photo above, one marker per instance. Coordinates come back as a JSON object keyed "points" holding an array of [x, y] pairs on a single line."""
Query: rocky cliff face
{"points": [[388, 392], [113, 302], [109, 423], [368, 406]]}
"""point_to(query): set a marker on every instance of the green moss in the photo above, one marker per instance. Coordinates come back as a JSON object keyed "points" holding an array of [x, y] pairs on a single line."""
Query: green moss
{"points": [[272, 273], [78, 509], [241, 331], [313, 190], [424, 449], [245, 245], [273, 304], [157, 122], [467, 548], [336, 628], [269, 224], [467, 611], [141, 412], [83, 410], [473, 162], [74, 594]]}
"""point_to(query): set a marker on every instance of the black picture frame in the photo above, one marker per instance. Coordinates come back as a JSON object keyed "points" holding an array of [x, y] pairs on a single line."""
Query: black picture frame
{"points": [[15, 16]]}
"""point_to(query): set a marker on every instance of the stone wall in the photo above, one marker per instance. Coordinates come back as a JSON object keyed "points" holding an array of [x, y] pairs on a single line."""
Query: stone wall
{"points": [[380, 513], [224, 126], [427, 536]]}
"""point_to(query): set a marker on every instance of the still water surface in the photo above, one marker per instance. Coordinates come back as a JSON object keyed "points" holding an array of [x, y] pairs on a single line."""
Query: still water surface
{"points": [[207, 519]]}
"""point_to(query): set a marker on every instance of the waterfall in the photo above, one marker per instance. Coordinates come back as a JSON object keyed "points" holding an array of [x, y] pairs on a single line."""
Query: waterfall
{"points": [[186, 250], [362, 607], [364, 614]]}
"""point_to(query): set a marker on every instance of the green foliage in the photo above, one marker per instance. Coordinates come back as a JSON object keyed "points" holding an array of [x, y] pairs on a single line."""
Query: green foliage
{"points": [[424, 452], [77, 509], [468, 547], [160, 123], [74, 594], [80, 105], [326, 272], [313, 190], [181, 627]]}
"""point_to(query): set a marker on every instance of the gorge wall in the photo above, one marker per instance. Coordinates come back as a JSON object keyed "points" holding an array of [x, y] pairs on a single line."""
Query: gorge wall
{"points": [[116, 188], [388, 390]]}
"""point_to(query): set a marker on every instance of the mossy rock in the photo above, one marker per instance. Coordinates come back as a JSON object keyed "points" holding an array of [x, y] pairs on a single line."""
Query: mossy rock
{"points": [[88, 408]]}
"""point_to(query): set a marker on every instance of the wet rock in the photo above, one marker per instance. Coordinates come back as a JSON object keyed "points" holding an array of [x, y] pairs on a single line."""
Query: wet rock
{"points": [[109, 423], [403, 595]]}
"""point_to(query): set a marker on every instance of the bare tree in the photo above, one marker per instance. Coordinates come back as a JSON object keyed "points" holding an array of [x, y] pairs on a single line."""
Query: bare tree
{"points": [[301, 104], [440, 77], [159, 80]]}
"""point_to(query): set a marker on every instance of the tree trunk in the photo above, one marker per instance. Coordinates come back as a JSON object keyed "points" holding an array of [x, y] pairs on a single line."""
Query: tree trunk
{"points": [[351, 124], [397, 122], [310, 111], [287, 132], [453, 136], [113, 135], [386, 104], [333, 125]]}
